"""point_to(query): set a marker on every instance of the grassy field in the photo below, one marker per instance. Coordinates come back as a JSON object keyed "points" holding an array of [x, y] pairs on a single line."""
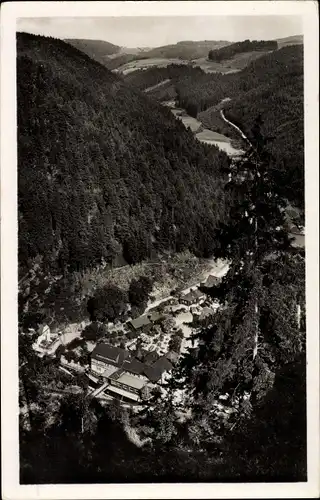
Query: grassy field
{"points": [[190, 122], [211, 118], [148, 63], [209, 135], [233, 65], [238, 62]]}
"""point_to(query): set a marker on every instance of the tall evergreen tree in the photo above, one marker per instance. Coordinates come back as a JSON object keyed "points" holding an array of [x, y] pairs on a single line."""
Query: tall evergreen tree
{"points": [[258, 327]]}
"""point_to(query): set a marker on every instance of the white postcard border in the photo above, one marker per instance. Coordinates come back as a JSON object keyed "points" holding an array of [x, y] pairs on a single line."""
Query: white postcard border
{"points": [[9, 345]]}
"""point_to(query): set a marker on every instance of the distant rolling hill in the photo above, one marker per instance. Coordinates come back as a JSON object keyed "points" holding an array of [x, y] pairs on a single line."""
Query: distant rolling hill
{"points": [[187, 50], [228, 52], [115, 57], [223, 57], [124, 59], [290, 40], [97, 49]]}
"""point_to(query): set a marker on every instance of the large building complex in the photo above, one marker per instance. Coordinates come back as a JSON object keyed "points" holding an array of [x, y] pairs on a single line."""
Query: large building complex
{"points": [[125, 375]]}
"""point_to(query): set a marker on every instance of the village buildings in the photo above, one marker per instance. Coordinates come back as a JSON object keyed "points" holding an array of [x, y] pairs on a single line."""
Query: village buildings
{"points": [[126, 376], [193, 297], [210, 282], [47, 342], [146, 321], [135, 356]]}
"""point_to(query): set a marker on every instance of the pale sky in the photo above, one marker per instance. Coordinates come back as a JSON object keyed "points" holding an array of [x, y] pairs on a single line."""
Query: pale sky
{"points": [[157, 31]]}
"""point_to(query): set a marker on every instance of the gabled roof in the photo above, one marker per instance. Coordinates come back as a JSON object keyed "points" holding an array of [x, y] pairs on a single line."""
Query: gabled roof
{"points": [[152, 374], [197, 294], [133, 366], [189, 297], [211, 281], [150, 357], [141, 321], [109, 354], [155, 371], [163, 363], [192, 295], [153, 366]]}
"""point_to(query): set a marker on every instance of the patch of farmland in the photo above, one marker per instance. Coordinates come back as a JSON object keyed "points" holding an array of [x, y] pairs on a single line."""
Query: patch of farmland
{"points": [[147, 63]]}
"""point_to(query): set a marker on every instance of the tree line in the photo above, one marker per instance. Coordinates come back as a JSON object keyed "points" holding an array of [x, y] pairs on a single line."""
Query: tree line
{"points": [[237, 48]]}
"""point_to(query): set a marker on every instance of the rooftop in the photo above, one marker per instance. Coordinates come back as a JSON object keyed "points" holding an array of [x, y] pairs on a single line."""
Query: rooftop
{"points": [[155, 371], [150, 357], [134, 366], [123, 392], [141, 321], [211, 281], [153, 366], [192, 296], [131, 381], [108, 353]]}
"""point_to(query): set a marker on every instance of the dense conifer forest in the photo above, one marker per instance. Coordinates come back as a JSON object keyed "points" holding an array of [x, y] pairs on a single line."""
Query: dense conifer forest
{"points": [[103, 170], [96, 49]]}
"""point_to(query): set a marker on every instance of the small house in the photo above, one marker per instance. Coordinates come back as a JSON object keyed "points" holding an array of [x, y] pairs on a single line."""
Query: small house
{"points": [[211, 282], [187, 299], [206, 312], [199, 296], [156, 372], [193, 297], [142, 321]]}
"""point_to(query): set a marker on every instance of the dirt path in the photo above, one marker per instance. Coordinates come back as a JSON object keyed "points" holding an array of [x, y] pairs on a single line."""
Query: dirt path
{"points": [[157, 85], [235, 126]]}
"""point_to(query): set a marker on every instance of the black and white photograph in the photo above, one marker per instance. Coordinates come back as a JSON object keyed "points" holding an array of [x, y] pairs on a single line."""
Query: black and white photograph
{"points": [[161, 324]]}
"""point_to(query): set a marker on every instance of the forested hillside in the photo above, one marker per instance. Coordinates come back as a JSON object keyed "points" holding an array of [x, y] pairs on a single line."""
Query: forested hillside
{"points": [[102, 169], [234, 408], [239, 47], [97, 49], [106, 171], [174, 72], [110, 55]]}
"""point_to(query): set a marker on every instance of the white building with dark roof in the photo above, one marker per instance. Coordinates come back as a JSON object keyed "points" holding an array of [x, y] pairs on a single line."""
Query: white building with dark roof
{"points": [[126, 375]]}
